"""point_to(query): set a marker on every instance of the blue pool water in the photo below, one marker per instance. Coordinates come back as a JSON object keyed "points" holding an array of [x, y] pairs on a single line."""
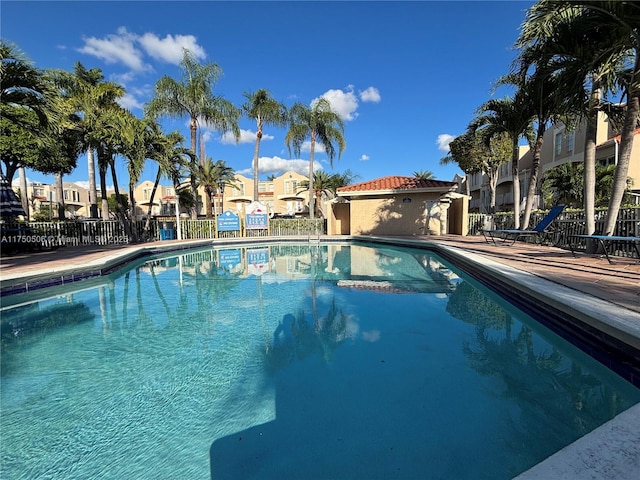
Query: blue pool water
{"points": [[289, 361]]}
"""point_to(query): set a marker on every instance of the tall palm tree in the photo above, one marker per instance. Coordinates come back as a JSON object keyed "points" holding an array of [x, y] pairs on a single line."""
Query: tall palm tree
{"points": [[620, 22], [583, 46], [265, 111], [92, 97], [320, 124], [193, 97], [172, 158], [514, 117]]}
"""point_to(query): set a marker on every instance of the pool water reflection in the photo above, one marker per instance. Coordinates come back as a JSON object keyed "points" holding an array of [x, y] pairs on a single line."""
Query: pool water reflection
{"points": [[290, 361]]}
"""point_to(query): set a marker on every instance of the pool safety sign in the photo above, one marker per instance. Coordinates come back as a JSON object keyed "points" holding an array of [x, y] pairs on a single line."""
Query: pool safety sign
{"points": [[228, 222]]}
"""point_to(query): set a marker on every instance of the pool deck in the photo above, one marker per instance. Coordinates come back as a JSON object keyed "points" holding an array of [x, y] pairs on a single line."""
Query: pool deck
{"points": [[588, 282]]}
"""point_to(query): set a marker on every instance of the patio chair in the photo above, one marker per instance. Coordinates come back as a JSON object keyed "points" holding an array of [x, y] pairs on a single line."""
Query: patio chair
{"points": [[538, 232]]}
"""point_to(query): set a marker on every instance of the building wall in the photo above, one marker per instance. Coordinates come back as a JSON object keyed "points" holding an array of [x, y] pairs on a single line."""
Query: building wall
{"points": [[559, 146], [400, 214]]}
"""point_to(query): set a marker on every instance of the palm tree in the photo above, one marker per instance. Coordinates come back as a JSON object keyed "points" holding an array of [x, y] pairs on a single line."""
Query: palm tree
{"points": [[265, 111], [92, 97], [583, 46], [211, 176], [613, 26], [564, 182], [321, 124], [193, 97], [514, 117], [172, 158], [23, 86], [423, 174], [323, 184]]}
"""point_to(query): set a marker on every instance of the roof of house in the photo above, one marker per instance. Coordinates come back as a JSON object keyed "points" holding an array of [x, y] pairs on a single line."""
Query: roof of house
{"points": [[395, 183]]}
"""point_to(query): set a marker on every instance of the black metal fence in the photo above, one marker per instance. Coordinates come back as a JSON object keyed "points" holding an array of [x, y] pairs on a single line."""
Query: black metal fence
{"points": [[564, 229]]}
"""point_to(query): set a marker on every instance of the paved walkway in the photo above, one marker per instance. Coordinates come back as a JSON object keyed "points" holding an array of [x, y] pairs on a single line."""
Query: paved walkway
{"points": [[591, 279]]}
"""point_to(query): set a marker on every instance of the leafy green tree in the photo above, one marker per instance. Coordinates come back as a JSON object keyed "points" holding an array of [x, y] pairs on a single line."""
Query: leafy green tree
{"points": [[117, 202], [564, 183], [193, 97], [320, 124], [482, 150], [260, 107]]}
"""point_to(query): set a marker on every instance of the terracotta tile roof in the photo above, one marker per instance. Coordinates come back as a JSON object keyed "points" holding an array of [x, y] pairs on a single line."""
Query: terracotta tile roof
{"points": [[397, 183]]}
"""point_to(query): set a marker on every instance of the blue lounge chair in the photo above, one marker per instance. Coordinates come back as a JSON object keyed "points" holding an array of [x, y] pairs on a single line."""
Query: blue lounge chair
{"points": [[536, 233]]}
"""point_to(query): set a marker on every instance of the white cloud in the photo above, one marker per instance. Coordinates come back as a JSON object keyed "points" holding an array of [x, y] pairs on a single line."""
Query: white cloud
{"points": [[364, 158], [130, 49], [344, 103], [116, 48], [371, 94], [306, 147], [444, 139], [277, 166], [170, 48], [84, 184]]}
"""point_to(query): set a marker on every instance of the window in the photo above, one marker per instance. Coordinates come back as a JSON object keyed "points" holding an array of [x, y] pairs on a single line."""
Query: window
{"points": [[558, 144], [570, 141], [291, 186]]}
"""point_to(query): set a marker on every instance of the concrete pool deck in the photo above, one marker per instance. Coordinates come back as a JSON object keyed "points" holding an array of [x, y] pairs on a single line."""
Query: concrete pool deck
{"points": [[585, 283]]}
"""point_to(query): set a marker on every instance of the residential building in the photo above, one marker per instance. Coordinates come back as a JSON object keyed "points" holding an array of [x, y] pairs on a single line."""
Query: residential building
{"points": [[560, 145]]}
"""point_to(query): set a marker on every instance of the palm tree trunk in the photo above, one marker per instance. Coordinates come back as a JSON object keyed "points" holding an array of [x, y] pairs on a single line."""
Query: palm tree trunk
{"points": [[93, 193], [515, 172], [60, 195], [533, 180], [591, 132], [24, 197], [256, 153], [102, 170], [121, 213], [312, 199], [147, 223], [193, 127], [626, 144]]}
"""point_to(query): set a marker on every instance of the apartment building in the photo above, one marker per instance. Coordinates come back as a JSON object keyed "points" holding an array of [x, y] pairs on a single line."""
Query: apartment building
{"points": [[75, 197], [282, 195], [560, 145]]}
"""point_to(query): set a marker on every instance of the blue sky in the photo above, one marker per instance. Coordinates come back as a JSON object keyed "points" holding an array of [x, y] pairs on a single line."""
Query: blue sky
{"points": [[406, 77]]}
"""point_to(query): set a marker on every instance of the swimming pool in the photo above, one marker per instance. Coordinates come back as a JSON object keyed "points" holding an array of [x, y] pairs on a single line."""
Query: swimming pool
{"points": [[290, 361]]}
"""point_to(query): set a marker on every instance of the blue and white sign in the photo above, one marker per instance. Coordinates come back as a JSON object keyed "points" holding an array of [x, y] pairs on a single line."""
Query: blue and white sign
{"points": [[229, 259], [257, 260], [228, 222], [256, 221]]}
